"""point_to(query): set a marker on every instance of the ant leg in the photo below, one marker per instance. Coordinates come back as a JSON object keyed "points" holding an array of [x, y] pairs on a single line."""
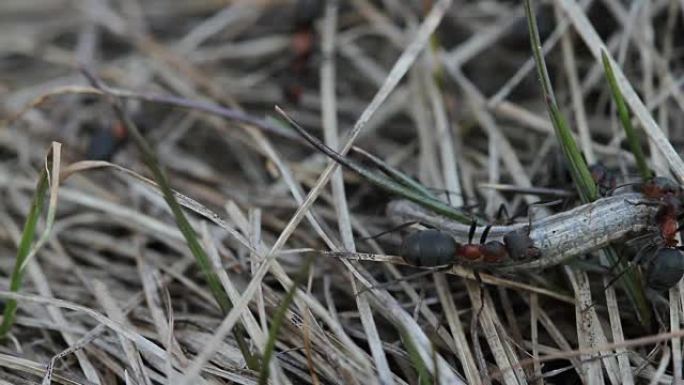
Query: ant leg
{"points": [[471, 232], [612, 190], [474, 320], [480, 282], [635, 262], [502, 212], [483, 237], [530, 212], [618, 276]]}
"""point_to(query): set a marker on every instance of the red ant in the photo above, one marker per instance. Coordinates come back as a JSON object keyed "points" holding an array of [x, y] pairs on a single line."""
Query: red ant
{"points": [[660, 187], [492, 251], [603, 177], [107, 141], [668, 193], [666, 266], [437, 248], [302, 47]]}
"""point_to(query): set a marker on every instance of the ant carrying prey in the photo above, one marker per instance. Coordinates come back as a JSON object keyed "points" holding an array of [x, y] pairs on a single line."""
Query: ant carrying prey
{"points": [[437, 248], [666, 266]]}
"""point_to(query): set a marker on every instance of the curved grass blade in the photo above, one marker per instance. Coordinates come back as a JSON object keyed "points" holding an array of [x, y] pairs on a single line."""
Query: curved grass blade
{"points": [[278, 318], [623, 113], [586, 187], [584, 183], [396, 174], [25, 250], [423, 374], [379, 180], [182, 222]]}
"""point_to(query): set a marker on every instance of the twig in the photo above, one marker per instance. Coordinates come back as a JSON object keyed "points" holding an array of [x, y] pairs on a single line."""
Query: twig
{"points": [[561, 236]]}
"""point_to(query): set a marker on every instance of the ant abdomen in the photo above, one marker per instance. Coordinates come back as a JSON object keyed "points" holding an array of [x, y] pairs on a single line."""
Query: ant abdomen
{"points": [[666, 269], [429, 248]]}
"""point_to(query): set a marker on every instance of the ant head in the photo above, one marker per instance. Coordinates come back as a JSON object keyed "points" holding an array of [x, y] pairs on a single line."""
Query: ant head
{"points": [[520, 246], [671, 208], [666, 269], [660, 186], [602, 176]]}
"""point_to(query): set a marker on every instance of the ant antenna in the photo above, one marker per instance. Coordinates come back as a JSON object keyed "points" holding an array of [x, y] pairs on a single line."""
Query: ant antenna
{"points": [[483, 237], [501, 212], [612, 190]]}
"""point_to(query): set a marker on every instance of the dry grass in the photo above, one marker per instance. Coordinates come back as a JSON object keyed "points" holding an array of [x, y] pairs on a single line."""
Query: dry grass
{"points": [[442, 90]]}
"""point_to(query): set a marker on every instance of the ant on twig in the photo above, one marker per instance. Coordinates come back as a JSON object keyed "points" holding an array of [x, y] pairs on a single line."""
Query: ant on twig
{"points": [[665, 267], [431, 248]]}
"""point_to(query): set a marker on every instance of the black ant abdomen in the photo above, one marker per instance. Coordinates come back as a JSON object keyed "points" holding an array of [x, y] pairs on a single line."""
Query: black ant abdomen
{"points": [[666, 269], [429, 248]]}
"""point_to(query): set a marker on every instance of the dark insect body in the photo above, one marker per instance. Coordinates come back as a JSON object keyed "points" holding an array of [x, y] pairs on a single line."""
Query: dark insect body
{"points": [[660, 187], [436, 248], [604, 178], [107, 141], [666, 267], [302, 47], [668, 194], [429, 248]]}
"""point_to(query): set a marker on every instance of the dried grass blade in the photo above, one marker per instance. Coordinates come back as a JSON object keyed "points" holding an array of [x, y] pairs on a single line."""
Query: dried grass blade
{"points": [[578, 168], [278, 318], [595, 44], [385, 183], [182, 222], [586, 186], [395, 173]]}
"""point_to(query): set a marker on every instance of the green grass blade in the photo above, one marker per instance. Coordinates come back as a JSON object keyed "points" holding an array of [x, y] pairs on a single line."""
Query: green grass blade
{"points": [[632, 283], [150, 160], [413, 355], [584, 183], [396, 174], [382, 181], [278, 318], [623, 113], [586, 186], [24, 249]]}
